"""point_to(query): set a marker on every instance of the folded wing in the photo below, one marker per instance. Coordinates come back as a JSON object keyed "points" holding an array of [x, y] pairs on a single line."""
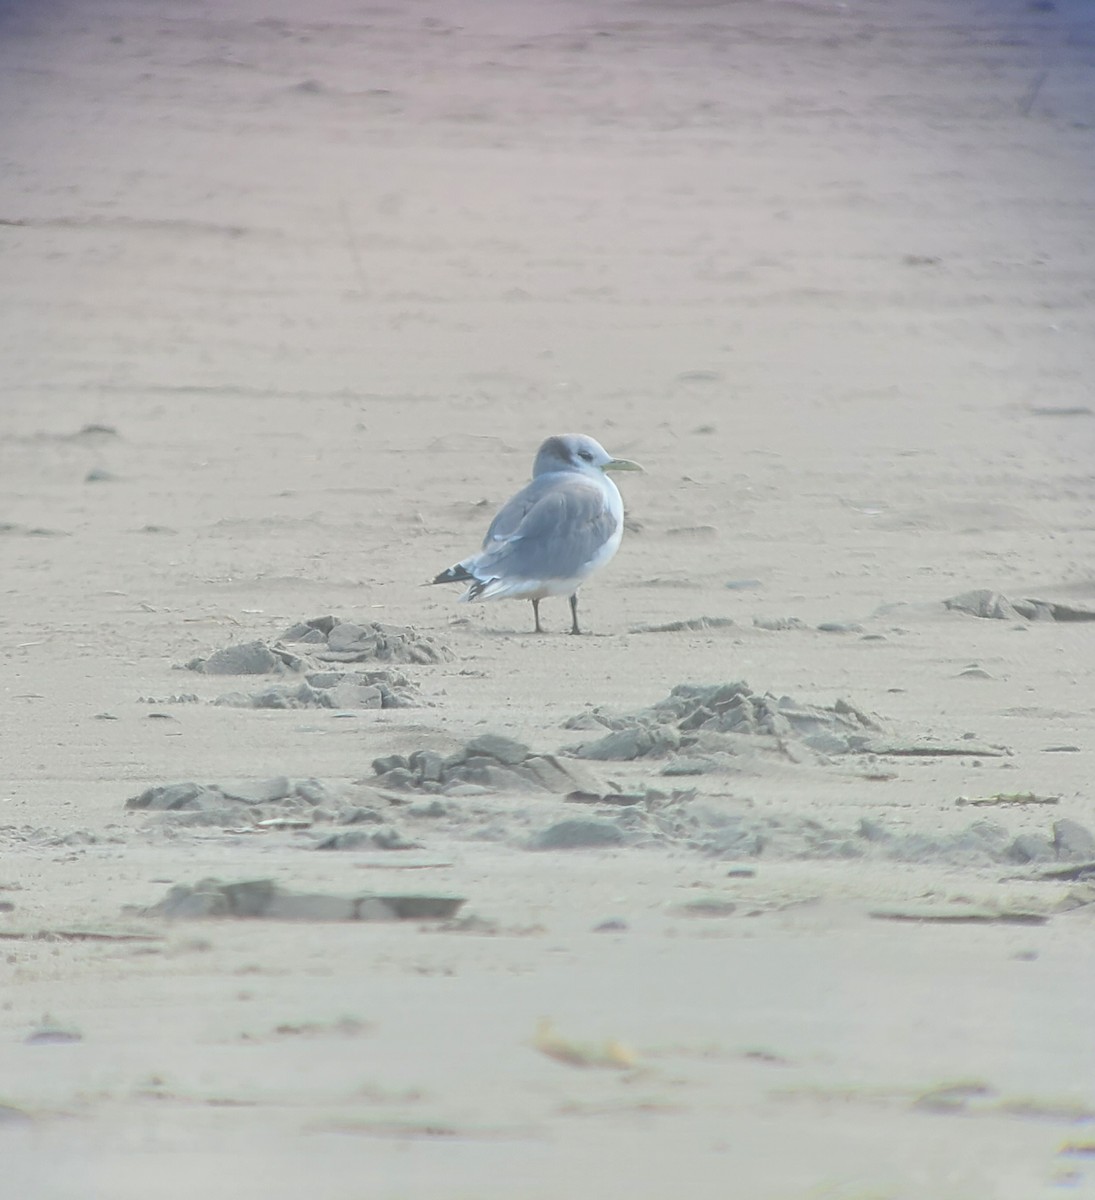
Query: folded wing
{"points": [[554, 529]]}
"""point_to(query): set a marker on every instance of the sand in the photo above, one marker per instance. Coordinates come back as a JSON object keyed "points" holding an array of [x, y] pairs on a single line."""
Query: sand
{"points": [[291, 295]]}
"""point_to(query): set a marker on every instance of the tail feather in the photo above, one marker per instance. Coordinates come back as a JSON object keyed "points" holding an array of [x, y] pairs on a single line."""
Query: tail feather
{"points": [[477, 588]]}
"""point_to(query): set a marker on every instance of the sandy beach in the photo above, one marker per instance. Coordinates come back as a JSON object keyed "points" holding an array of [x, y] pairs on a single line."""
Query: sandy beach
{"points": [[779, 882]]}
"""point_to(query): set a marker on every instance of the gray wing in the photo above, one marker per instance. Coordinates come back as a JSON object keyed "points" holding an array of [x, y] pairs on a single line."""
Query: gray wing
{"points": [[550, 530], [509, 517]]}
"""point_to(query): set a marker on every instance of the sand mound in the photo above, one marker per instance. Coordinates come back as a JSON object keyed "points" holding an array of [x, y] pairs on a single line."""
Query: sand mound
{"points": [[703, 728], [318, 645]]}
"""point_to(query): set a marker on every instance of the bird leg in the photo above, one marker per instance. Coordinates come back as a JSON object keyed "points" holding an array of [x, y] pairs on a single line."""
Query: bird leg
{"points": [[536, 614], [574, 614]]}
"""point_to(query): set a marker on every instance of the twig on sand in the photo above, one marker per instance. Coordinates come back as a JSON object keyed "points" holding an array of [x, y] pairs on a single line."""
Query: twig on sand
{"points": [[355, 253], [1027, 101]]}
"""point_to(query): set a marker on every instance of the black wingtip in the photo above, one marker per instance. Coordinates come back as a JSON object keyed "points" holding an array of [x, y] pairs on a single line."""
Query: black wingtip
{"points": [[455, 574]]}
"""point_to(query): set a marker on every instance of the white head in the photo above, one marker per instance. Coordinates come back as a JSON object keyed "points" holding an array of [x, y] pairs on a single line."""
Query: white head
{"points": [[576, 452]]}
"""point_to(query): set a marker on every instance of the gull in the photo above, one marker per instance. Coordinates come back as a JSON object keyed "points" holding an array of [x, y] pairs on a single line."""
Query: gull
{"points": [[549, 538]]}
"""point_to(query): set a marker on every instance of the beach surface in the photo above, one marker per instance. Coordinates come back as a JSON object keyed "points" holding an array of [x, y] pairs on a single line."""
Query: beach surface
{"points": [[779, 882]]}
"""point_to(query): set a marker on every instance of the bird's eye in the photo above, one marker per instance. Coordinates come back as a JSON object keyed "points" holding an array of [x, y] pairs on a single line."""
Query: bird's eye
{"points": [[585, 455]]}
